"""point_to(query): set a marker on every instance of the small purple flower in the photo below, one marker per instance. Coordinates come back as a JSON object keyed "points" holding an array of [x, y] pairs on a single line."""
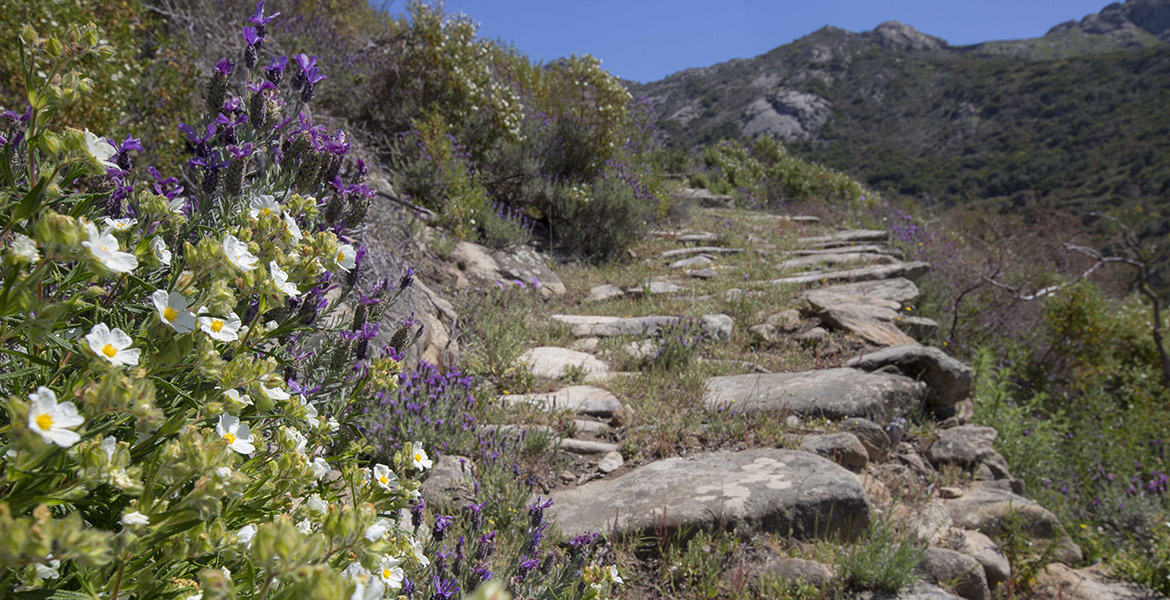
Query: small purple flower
{"points": [[526, 564], [416, 512], [250, 36], [131, 143], [536, 511], [274, 72], [224, 67], [241, 152], [407, 279], [259, 20], [444, 590], [442, 522]]}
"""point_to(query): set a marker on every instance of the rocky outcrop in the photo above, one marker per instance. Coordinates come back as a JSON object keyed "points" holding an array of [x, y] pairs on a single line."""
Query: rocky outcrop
{"points": [[829, 393], [949, 380], [558, 363]]}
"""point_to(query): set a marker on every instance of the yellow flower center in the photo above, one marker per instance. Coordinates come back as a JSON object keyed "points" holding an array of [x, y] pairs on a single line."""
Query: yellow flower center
{"points": [[340, 256], [109, 350], [170, 314], [385, 573], [230, 437], [216, 325], [418, 457], [384, 479], [265, 211], [45, 421]]}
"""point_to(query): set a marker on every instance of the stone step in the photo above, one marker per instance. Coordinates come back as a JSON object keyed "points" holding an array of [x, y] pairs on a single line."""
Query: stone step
{"points": [[578, 399], [700, 250], [576, 446], [897, 289], [829, 393], [556, 363], [701, 260], [845, 237], [759, 490], [908, 270], [838, 259], [875, 248], [715, 326]]}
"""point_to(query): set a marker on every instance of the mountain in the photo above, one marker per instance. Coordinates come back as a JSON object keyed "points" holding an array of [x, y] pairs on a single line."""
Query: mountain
{"points": [[1073, 119]]}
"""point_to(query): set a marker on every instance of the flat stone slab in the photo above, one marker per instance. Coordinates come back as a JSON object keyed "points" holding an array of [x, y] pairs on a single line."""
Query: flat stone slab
{"points": [[555, 363], [949, 379], [831, 393], [898, 289], [602, 326], [758, 490], [872, 319], [655, 288], [701, 260], [850, 235], [838, 259], [587, 447], [909, 270], [700, 250], [874, 248], [1090, 583], [579, 399], [601, 293], [694, 238]]}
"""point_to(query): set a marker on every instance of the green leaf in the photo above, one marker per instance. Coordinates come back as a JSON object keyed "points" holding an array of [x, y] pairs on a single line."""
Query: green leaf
{"points": [[31, 201]]}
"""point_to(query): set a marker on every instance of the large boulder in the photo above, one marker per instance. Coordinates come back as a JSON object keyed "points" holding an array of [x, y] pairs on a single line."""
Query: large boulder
{"points": [[949, 380], [831, 393], [1090, 583], [960, 572], [579, 399], [759, 490], [967, 446], [992, 506], [513, 264], [430, 310], [996, 566]]}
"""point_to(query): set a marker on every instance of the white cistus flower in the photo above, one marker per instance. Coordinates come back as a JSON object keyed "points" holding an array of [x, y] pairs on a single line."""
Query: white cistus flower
{"points": [[391, 574], [245, 535], [316, 504], [48, 571], [224, 329], [385, 477], [280, 278], [238, 398], [52, 421], [112, 345], [346, 257], [172, 309], [419, 458], [294, 230], [134, 519], [161, 252], [237, 435], [24, 248], [119, 224], [110, 445], [100, 149], [320, 468], [237, 253], [377, 530], [263, 204], [103, 246]]}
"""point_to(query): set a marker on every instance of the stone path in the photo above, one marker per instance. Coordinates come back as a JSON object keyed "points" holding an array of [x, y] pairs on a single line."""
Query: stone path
{"points": [[836, 478]]}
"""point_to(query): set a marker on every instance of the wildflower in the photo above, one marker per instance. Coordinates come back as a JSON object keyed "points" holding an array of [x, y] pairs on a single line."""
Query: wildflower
{"points": [[275, 392], [100, 150], [377, 530], [237, 435], [238, 398], [320, 468], [161, 252], [280, 278], [355, 571], [24, 249], [305, 527], [385, 477], [259, 20], [134, 519], [225, 329], [114, 345], [172, 309], [263, 204], [417, 549], [53, 421], [48, 571], [119, 224], [103, 246], [442, 522], [316, 504], [311, 413], [391, 573], [109, 445], [300, 442], [294, 230], [613, 575], [420, 460], [245, 535], [346, 257], [237, 253]]}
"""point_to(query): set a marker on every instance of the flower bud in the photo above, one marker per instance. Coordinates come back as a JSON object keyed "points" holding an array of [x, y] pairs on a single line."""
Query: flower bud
{"points": [[233, 180], [306, 179], [250, 56], [257, 110], [216, 89], [334, 208]]}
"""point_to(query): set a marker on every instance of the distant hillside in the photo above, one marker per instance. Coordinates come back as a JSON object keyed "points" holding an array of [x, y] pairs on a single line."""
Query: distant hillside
{"points": [[1075, 118]]}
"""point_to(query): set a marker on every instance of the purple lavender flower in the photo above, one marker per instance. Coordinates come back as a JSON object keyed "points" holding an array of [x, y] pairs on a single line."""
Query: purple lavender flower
{"points": [[486, 546], [444, 590], [476, 511], [407, 279], [274, 72], [416, 512], [442, 523], [241, 152], [536, 511], [224, 67], [260, 20], [526, 564]]}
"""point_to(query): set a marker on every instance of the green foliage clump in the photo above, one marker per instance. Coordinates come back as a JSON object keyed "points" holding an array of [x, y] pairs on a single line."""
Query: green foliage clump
{"points": [[880, 559]]}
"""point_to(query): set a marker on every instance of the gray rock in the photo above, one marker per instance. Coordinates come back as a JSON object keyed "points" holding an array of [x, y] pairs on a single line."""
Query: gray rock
{"points": [[988, 506], [958, 571], [601, 293], [524, 264], [644, 350], [786, 321], [704, 274], [898, 289], [587, 447], [579, 399], [763, 333], [589, 344], [839, 259], [785, 113], [917, 591], [1090, 583], [815, 335], [909, 270], [842, 448], [919, 328], [449, 482], [871, 435], [582, 426], [928, 523], [705, 198], [697, 238], [832, 393], [758, 490], [871, 248], [794, 570], [965, 446], [655, 288], [849, 235], [701, 260], [996, 567], [700, 250], [611, 462], [949, 380], [716, 327], [555, 363]]}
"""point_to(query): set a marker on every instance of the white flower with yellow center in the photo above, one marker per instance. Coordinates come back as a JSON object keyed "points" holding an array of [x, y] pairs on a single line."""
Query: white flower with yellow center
{"points": [[119, 224], [112, 345], [24, 248], [100, 150], [172, 309], [346, 257], [237, 435], [294, 230], [53, 421], [103, 246], [263, 205], [419, 458], [161, 252], [376, 531], [224, 329], [135, 519], [237, 253], [385, 477], [390, 573], [416, 547], [280, 278], [237, 398]]}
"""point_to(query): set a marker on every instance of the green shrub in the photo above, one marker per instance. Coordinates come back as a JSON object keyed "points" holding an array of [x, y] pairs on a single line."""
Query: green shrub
{"points": [[881, 559]]}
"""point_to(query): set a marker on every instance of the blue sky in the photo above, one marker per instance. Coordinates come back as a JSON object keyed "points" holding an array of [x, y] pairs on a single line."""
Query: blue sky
{"points": [[645, 40]]}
